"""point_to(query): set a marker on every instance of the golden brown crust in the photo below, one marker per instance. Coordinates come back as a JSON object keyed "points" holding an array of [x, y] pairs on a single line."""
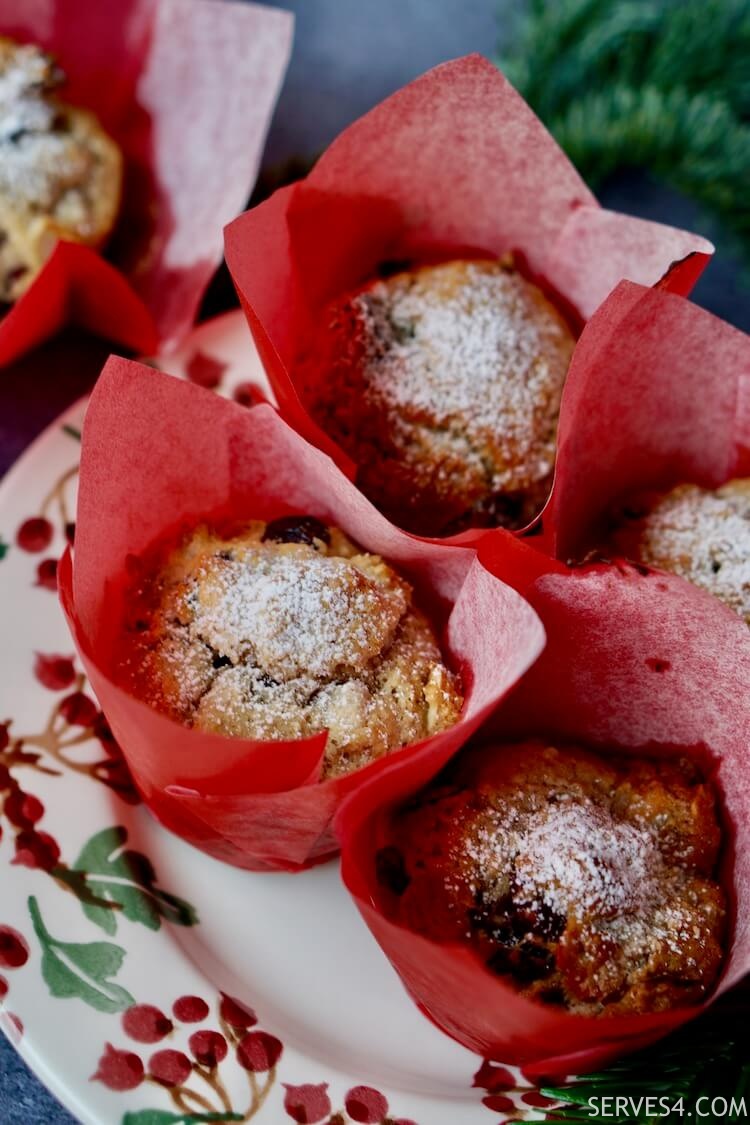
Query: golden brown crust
{"points": [[443, 383], [282, 630], [588, 882], [701, 534], [60, 173]]}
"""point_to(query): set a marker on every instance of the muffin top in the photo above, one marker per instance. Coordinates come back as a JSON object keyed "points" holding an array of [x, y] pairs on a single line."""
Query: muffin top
{"points": [[282, 630], [443, 382], [701, 534], [60, 174], [587, 881]]}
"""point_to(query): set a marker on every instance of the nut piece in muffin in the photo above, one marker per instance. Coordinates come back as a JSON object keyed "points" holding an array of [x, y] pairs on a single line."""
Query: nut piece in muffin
{"points": [[443, 384], [60, 173], [282, 630], [587, 882], [701, 534]]}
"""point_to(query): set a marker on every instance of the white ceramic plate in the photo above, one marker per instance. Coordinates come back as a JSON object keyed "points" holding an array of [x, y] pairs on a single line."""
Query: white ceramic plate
{"points": [[89, 927]]}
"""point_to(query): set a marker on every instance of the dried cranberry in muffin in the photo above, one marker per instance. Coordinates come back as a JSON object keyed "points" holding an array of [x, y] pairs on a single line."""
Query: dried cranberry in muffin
{"points": [[283, 630], [443, 384], [701, 534], [585, 881]]}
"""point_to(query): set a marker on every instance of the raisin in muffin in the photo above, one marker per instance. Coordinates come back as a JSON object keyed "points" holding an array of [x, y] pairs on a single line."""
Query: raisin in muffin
{"points": [[586, 882], [60, 174], [702, 535], [443, 384], [283, 630]]}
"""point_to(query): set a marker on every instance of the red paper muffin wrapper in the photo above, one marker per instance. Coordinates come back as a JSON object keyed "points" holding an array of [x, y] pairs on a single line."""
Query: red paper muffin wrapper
{"points": [[256, 804], [670, 389], [454, 163], [186, 88], [632, 663]]}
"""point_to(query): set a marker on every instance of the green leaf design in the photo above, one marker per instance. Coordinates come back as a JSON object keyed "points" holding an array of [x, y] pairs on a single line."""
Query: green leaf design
{"points": [[108, 877], [84, 971], [3, 548], [72, 431], [164, 1117]]}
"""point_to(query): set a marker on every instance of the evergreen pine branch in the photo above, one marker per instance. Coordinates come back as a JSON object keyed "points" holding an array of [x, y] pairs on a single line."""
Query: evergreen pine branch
{"points": [[708, 1058], [658, 84]]}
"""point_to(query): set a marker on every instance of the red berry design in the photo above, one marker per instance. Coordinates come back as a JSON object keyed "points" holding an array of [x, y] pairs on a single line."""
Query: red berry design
{"points": [[500, 1103], [54, 671], [4, 737], [190, 1009], [307, 1104], [205, 370], [236, 1014], [23, 809], [3, 989], [259, 1051], [171, 1068], [5, 779], [366, 1105], [539, 1101], [14, 950], [494, 1078], [145, 1023], [12, 1025], [78, 710], [114, 773], [249, 394], [34, 534], [209, 1048], [46, 574], [118, 1070], [36, 849]]}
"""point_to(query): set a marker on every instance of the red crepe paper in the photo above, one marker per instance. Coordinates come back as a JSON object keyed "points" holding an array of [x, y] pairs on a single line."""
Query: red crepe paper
{"points": [[632, 663], [254, 804], [670, 389], [455, 162], [186, 88]]}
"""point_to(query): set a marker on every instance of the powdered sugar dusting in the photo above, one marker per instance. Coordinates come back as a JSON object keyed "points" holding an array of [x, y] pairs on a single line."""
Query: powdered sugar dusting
{"points": [[34, 159], [480, 352], [280, 640], [578, 860], [604, 880], [295, 613], [703, 536]]}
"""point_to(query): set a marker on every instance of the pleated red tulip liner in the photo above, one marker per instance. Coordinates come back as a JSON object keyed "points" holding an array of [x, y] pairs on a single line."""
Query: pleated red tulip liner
{"points": [[671, 388], [633, 664], [156, 75], [453, 165], [256, 804]]}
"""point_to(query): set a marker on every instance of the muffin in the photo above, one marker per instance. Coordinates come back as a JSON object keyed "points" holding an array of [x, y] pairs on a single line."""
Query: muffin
{"points": [[443, 384], [585, 882], [60, 173], [701, 534], [282, 630]]}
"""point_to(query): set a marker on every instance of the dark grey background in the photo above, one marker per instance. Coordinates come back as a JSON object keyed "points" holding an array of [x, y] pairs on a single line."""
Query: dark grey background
{"points": [[348, 55]]}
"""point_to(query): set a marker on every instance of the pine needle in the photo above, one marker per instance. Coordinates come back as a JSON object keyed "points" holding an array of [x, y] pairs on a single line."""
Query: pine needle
{"points": [[662, 85]]}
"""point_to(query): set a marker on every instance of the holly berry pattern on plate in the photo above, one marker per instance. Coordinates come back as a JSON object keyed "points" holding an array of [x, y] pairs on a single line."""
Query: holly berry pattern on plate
{"points": [[144, 982]]}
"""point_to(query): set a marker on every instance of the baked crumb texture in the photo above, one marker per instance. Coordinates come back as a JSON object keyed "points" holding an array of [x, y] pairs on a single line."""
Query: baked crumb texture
{"points": [[443, 383], [700, 534], [285, 630], [587, 882], [60, 173]]}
